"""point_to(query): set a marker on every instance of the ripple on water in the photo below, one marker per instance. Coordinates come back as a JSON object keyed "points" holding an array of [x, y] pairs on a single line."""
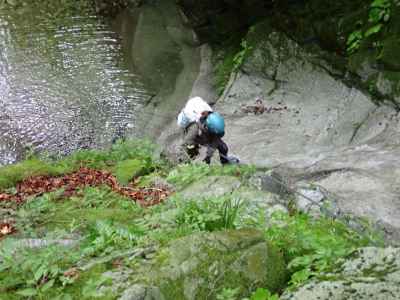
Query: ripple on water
{"points": [[63, 85]]}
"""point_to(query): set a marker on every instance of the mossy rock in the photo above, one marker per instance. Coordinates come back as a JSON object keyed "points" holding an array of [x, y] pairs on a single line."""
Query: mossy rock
{"points": [[390, 53], [211, 186], [127, 169], [201, 265], [370, 273]]}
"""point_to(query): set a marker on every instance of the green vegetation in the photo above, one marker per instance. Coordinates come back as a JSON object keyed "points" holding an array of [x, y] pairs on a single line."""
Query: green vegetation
{"points": [[183, 175], [224, 63], [80, 238], [229, 57], [100, 218], [312, 247], [210, 215], [379, 15], [240, 57], [133, 157], [259, 294]]}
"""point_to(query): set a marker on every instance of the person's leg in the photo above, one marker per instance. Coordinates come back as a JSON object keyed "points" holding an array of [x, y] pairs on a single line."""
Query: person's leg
{"points": [[215, 142], [209, 154], [223, 151], [190, 141]]}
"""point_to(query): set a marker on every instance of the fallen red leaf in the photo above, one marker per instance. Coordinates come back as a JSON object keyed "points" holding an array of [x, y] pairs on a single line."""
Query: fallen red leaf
{"points": [[6, 229], [84, 177]]}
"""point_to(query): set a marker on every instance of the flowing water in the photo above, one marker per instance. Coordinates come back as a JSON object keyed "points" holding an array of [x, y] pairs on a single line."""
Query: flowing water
{"points": [[64, 84]]}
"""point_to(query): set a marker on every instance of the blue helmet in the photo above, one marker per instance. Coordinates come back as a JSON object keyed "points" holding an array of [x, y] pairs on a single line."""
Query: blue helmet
{"points": [[215, 124]]}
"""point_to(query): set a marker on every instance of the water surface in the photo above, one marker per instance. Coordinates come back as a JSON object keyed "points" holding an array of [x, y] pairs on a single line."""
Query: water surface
{"points": [[64, 84]]}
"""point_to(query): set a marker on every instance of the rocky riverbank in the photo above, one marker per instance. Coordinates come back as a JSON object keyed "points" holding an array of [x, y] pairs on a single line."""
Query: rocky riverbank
{"points": [[124, 224], [312, 212]]}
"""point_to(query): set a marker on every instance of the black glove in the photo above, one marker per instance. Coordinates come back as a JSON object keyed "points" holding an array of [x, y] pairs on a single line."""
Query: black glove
{"points": [[192, 150]]}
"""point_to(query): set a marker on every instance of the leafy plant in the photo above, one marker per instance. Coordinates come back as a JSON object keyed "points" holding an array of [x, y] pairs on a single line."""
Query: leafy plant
{"points": [[228, 294], [240, 57], [379, 11], [33, 272], [379, 15], [312, 246], [91, 288], [101, 197], [209, 214], [354, 41], [37, 211], [263, 294], [106, 237]]}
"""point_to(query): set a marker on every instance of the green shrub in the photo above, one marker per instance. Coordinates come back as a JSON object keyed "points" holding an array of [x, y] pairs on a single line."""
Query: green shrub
{"points": [[33, 273], [209, 214], [263, 294], [313, 246], [107, 236], [379, 14]]}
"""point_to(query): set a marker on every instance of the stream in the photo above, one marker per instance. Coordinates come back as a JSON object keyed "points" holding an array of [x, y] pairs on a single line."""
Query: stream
{"points": [[73, 82]]}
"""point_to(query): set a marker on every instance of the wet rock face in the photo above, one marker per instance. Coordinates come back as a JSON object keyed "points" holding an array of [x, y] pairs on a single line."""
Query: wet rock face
{"points": [[315, 129], [320, 23], [373, 273], [307, 108], [380, 76], [328, 24]]}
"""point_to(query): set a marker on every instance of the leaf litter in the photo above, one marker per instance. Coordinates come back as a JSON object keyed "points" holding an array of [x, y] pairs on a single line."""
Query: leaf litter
{"points": [[71, 183]]}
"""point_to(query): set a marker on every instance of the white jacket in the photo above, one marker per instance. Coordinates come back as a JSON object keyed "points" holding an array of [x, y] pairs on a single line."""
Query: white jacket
{"points": [[192, 111]]}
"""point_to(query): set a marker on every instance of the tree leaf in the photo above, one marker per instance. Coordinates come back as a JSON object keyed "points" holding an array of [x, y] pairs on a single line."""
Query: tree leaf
{"points": [[373, 30], [40, 272], [48, 285], [260, 294], [27, 292]]}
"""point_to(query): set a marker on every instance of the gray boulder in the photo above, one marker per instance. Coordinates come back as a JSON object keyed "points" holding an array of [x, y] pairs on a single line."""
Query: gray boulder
{"points": [[142, 292], [373, 273], [252, 200], [211, 186]]}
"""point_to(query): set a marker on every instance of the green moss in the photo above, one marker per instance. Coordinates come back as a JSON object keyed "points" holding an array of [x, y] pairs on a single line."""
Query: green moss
{"points": [[85, 286], [125, 156], [128, 169], [258, 33], [183, 175], [390, 52], [10, 175], [223, 61], [230, 55], [205, 264]]}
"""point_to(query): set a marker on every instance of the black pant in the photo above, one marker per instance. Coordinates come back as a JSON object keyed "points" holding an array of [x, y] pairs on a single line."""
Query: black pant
{"points": [[195, 136]]}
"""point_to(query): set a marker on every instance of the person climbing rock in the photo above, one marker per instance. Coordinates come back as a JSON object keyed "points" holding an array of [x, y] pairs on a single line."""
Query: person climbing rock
{"points": [[202, 127]]}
